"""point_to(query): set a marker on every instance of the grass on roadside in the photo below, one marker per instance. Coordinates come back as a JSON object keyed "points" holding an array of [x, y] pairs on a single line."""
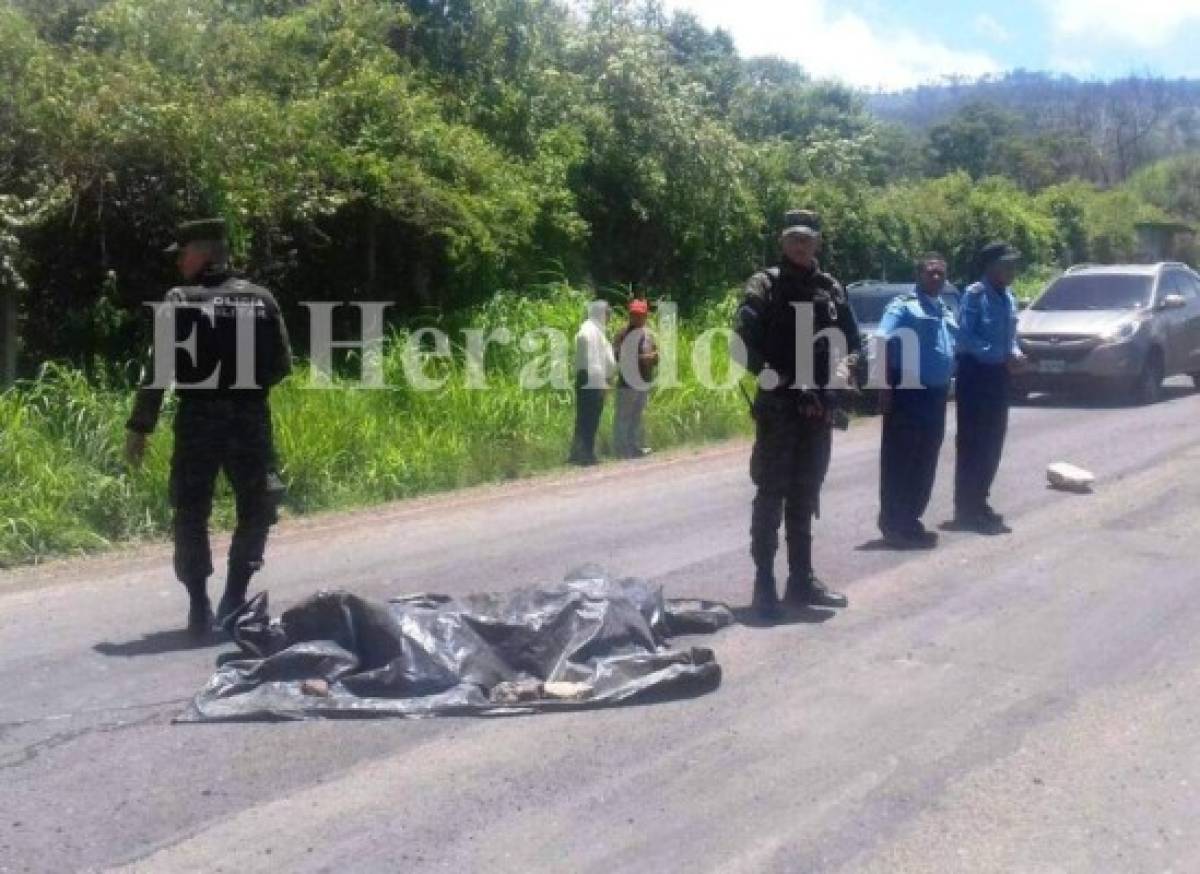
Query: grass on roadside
{"points": [[65, 490]]}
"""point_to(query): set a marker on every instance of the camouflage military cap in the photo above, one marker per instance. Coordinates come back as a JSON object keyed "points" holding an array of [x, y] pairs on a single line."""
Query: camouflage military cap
{"points": [[802, 223]]}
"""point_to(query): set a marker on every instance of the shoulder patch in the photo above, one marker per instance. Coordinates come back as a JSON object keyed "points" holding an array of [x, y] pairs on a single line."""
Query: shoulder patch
{"points": [[761, 283], [828, 283]]}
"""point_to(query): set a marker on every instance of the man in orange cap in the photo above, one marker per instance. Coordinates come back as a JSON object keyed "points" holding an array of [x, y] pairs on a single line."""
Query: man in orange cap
{"points": [[637, 357]]}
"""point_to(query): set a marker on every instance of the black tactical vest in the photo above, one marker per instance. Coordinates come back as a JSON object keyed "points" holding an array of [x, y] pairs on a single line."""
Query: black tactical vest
{"points": [[790, 285], [210, 314]]}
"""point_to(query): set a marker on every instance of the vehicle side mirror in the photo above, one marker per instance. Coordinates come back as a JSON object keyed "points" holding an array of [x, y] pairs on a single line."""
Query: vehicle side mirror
{"points": [[1172, 302]]}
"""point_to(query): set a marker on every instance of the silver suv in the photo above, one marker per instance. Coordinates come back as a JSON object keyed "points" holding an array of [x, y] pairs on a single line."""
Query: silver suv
{"points": [[1124, 327]]}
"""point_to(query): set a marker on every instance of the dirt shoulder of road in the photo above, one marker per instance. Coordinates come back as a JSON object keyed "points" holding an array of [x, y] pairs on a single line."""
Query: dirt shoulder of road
{"points": [[138, 554]]}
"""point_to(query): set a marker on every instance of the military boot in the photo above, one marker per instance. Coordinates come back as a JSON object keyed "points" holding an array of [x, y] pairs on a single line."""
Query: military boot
{"points": [[237, 581], [804, 588], [200, 615], [812, 592], [764, 543], [766, 597]]}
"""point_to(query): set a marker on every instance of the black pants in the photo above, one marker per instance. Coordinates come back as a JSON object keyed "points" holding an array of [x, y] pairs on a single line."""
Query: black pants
{"points": [[913, 433], [214, 434], [589, 406], [982, 399], [788, 466]]}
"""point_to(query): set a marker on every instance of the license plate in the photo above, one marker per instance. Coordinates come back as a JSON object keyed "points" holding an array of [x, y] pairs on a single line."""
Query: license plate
{"points": [[1052, 365]]}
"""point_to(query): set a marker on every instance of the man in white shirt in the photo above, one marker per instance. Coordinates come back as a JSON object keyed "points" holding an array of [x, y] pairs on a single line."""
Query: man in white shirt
{"points": [[595, 366]]}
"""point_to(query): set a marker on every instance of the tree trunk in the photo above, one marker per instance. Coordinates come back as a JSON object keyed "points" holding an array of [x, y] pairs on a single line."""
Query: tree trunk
{"points": [[8, 336], [372, 253]]}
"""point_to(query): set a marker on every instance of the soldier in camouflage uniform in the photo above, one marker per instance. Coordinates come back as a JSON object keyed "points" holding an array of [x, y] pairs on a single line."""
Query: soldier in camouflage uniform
{"points": [[223, 421], [796, 407]]}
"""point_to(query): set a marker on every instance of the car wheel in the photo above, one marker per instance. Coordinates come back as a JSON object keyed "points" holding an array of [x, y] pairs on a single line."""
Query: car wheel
{"points": [[1147, 388], [1195, 379]]}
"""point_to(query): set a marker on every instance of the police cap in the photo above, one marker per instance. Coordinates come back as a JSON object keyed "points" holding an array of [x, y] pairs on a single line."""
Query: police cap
{"points": [[200, 231], [998, 253]]}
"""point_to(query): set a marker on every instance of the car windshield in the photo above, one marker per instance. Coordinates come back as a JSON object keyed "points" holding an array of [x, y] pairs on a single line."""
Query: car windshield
{"points": [[868, 308], [1097, 291]]}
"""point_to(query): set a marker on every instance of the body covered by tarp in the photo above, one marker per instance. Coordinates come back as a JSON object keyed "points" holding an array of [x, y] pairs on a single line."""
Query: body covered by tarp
{"points": [[586, 642]]}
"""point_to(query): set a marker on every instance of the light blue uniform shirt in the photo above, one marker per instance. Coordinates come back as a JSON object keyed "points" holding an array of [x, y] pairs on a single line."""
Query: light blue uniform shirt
{"points": [[988, 324], [936, 329]]}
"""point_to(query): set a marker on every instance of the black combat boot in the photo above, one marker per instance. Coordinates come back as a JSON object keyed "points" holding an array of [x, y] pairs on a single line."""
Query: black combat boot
{"points": [[200, 615], [811, 592], [766, 598], [237, 581], [804, 588], [764, 543]]}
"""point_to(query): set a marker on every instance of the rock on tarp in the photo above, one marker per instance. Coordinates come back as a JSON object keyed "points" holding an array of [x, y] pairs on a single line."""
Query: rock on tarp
{"points": [[586, 642]]}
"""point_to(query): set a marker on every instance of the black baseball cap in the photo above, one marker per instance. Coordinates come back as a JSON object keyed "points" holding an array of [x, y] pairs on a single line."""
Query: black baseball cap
{"points": [[998, 252], [199, 231]]}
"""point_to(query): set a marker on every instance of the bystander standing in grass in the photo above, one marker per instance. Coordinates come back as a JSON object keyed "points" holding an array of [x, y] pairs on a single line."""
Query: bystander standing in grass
{"points": [[595, 365], [637, 356]]}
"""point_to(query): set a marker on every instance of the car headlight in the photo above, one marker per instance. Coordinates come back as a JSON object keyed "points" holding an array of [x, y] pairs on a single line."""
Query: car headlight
{"points": [[1122, 332]]}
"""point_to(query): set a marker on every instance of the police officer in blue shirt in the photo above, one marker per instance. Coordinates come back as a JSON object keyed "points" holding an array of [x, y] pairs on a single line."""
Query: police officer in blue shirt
{"points": [[920, 331], [987, 354]]}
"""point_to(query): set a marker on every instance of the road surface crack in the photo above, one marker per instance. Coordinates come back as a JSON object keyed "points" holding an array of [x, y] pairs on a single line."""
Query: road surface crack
{"points": [[32, 751]]}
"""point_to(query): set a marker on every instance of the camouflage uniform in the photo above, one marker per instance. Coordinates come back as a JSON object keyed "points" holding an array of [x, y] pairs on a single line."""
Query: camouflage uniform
{"points": [[792, 448], [220, 428]]}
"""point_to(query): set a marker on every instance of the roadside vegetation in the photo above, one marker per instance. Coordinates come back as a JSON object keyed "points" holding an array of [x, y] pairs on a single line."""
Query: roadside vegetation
{"points": [[64, 488]]}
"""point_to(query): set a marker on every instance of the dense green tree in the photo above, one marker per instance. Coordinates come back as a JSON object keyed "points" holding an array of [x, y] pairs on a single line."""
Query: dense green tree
{"points": [[970, 140], [1172, 185]]}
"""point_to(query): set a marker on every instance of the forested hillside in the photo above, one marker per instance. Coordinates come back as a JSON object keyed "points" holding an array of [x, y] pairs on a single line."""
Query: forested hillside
{"points": [[433, 153], [1042, 127]]}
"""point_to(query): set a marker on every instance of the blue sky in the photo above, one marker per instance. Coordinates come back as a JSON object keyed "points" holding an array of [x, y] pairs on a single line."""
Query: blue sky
{"points": [[872, 43]]}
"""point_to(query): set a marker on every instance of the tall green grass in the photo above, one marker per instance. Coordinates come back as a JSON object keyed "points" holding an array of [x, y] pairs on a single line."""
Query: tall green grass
{"points": [[65, 490]]}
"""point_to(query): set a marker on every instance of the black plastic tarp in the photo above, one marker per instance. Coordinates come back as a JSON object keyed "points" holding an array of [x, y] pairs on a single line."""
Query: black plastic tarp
{"points": [[586, 642]]}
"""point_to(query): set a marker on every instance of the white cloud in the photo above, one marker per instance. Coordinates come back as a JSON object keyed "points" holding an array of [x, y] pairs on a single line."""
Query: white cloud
{"points": [[836, 44], [1146, 24], [989, 28]]}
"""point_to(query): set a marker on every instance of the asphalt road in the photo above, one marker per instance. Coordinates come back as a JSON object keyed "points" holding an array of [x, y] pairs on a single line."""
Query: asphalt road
{"points": [[1028, 703]]}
